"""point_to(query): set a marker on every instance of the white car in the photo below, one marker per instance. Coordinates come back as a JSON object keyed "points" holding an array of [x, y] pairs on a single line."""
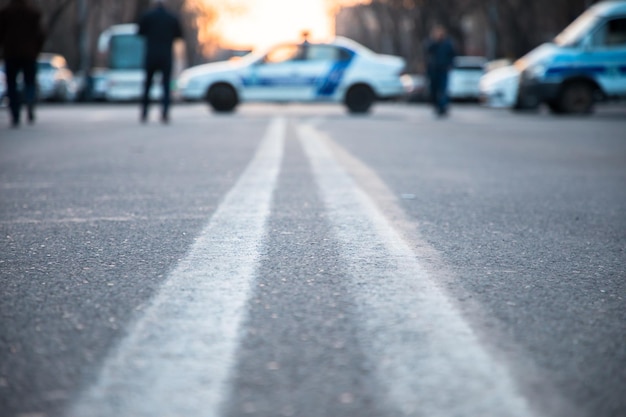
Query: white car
{"points": [[464, 78], [55, 81], [3, 85], [338, 71], [499, 87]]}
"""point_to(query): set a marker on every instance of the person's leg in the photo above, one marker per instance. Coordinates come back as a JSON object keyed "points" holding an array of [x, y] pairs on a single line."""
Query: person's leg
{"points": [[145, 101], [12, 69], [30, 87], [443, 93], [434, 91], [166, 74]]}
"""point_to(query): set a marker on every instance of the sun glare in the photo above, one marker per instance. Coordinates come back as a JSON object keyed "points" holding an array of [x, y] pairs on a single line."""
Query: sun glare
{"points": [[266, 22]]}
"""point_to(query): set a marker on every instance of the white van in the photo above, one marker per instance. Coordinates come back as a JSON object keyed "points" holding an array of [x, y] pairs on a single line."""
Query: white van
{"points": [[585, 63], [120, 76]]}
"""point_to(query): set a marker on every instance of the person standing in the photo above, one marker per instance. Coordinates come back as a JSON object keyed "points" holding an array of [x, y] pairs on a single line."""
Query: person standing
{"points": [[21, 40], [440, 53], [160, 28]]}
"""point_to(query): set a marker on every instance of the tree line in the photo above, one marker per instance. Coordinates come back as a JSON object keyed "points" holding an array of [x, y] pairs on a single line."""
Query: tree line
{"points": [[494, 28], [73, 26]]}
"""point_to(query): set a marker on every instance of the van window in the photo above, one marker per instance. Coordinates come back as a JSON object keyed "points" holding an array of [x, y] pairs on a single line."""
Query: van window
{"points": [[126, 52], [610, 35]]}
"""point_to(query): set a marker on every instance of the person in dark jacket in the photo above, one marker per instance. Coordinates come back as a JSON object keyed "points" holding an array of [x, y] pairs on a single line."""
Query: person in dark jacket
{"points": [[440, 53], [21, 40], [160, 28]]}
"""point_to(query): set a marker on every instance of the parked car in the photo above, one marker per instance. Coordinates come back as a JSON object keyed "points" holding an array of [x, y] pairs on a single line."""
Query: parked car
{"points": [[464, 78], [339, 71], [3, 85], [586, 63], [415, 87], [463, 81], [55, 81]]}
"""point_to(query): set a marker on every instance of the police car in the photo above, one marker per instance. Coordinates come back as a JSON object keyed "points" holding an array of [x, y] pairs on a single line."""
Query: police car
{"points": [[339, 71], [585, 63]]}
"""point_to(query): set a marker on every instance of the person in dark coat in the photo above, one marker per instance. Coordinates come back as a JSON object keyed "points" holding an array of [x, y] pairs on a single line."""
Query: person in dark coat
{"points": [[440, 53], [160, 28], [21, 40]]}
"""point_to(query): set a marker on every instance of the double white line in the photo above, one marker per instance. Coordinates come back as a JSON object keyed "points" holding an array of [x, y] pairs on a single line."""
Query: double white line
{"points": [[178, 357]]}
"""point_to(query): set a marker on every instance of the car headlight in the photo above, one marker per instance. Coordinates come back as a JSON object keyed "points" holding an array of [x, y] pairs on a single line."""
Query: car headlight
{"points": [[534, 71], [100, 84]]}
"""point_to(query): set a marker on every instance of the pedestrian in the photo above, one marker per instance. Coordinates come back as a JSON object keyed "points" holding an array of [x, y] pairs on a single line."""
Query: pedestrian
{"points": [[440, 53], [160, 28], [21, 40]]}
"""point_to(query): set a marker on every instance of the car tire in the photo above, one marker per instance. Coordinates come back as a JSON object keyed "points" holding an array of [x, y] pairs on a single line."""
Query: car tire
{"points": [[554, 107], [222, 97], [526, 103], [62, 95], [576, 98], [359, 99]]}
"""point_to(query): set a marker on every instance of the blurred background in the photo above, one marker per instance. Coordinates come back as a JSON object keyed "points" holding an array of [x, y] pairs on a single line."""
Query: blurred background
{"points": [[219, 29]]}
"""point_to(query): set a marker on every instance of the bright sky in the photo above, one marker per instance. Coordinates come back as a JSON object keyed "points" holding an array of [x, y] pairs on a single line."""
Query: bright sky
{"points": [[266, 22]]}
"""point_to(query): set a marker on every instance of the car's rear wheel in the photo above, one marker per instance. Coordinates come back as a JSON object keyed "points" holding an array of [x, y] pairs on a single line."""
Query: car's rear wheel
{"points": [[222, 97], [576, 98], [359, 98]]}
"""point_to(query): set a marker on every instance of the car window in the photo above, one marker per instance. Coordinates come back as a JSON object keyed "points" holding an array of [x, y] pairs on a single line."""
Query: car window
{"points": [[610, 34], [326, 53], [469, 68], [283, 53]]}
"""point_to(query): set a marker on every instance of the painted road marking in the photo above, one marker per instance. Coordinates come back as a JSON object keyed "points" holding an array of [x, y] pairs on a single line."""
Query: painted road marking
{"points": [[426, 354], [178, 357]]}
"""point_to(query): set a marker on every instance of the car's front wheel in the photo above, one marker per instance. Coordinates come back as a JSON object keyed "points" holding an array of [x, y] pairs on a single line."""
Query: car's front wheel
{"points": [[222, 97], [359, 98], [576, 98]]}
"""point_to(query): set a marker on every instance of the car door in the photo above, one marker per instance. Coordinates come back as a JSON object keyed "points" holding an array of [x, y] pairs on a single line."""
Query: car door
{"points": [[277, 76], [607, 53], [326, 65]]}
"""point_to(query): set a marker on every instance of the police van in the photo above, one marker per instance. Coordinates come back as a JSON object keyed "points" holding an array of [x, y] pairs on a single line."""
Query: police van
{"points": [[586, 63], [338, 71]]}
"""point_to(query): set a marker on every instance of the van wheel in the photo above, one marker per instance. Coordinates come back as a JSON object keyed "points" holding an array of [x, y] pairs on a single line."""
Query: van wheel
{"points": [[576, 98], [359, 99], [222, 97]]}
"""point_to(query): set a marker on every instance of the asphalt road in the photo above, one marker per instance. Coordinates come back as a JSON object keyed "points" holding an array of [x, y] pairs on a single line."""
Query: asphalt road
{"points": [[292, 260]]}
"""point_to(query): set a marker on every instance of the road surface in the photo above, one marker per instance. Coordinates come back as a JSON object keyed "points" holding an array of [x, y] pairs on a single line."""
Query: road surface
{"points": [[292, 260]]}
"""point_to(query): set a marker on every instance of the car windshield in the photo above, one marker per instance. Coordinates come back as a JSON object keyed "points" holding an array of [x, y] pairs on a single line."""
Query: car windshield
{"points": [[44, 66], [574, 33], [126, 52]]}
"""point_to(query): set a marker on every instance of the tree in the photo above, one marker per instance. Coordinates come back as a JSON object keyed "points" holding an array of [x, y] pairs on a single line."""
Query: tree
{"points": [[73, 26], [505, 28]]}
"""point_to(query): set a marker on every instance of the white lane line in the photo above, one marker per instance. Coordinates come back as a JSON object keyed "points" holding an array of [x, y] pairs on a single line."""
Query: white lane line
{"points": [[426, 355], [177, 358]]}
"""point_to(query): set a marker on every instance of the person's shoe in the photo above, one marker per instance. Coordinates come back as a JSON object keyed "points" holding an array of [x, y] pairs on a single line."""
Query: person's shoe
{"points": [[31, 116], [143, 119], [165, 119], [15, 123]]}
